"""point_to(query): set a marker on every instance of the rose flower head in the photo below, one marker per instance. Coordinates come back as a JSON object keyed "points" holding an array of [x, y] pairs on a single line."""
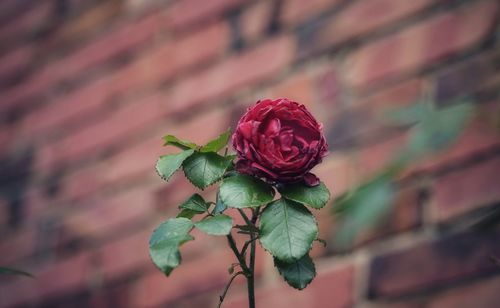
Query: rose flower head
{"points": [[279, 141]]}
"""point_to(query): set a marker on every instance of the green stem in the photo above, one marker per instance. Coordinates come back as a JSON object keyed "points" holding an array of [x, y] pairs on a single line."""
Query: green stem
{"points": [[245, 217], [248, 270], [240, 258], [251, 277], [245, 246], [221, 298]]}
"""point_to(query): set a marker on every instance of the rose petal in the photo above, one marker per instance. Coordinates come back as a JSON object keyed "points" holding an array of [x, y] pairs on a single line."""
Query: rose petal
{"points": [[280, 141], [311, 180]]}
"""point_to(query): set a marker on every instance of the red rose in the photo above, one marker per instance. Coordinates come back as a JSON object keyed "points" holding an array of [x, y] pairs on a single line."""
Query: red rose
{"points": [[280, 141]]}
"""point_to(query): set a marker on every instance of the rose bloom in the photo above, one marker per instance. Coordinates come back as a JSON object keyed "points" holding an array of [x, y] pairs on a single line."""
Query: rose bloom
{"points": [[279, 141]]}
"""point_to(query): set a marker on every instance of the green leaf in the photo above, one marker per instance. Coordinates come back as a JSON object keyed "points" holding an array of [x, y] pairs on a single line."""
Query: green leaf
{"points": [[407, 115], [439, 129], [297, 274], [165, 241], [287, 230], [241, 191], [195, 203], [218, 143], [13, 271], [316, 196], [182, 144], [216, 225], [220, 207], [362, 208], [204, 169], [187, 214], [247, 228], [168, 164]]}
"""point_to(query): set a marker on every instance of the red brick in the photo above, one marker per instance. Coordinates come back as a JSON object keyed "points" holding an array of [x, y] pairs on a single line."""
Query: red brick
{"points": [[474, 75], [399, 95], [483, 293], [100, 50], [315, 87], [188, 12], [20, 26], [144, 156], [466, 189], [95, 219], [7, 135], [15, 61], [129, 166], [297, 11], [125, 256], [64, 276], [137, 161], [106, 216], [156, 289], [479, 135], [432, 265], [109, 46], [38, 85], [67, 109], [298, 87], [326, 223], [406, 214], [145, 71], [374, 14], [18, 245], [330, 90], [331, 288], [338, 172], [421, 45], [243, 70], [8, 6], [94, 18], [364, 124], [168, 60], [125, 121], [374, 158], [255, 20]]}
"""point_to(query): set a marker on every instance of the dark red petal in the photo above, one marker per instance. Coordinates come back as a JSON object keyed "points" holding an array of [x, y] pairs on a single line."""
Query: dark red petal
{"points": [[246, 130], [311, 180]]}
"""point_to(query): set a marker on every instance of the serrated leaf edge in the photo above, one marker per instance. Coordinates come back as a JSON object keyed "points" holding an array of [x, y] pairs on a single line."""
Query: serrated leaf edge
{"points": [[168, 178], [310, 206], [307, 284], [310, 246]]}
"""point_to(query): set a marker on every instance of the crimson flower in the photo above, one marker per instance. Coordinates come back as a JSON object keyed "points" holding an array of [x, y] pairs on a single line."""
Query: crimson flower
{"points": [[279, 141]]}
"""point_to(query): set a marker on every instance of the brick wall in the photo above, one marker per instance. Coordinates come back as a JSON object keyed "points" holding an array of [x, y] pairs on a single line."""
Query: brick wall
{"points": [[89, 87]]}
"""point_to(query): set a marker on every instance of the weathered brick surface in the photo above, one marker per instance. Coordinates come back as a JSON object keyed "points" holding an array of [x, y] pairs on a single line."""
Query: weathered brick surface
{"points": [[296, 11], [333, 288], [88, 89], [433, 265], [479, 294], [236, 72], [457, 192], [346, 24], [435, 39], [189, 12], [257, 20], [145, 71]]}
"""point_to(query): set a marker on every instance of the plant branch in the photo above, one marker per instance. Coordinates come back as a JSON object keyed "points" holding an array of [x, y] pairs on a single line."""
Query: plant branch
{"points": [[240, 258], [221, 298], [251, 277], [247, 243], [245, 217]]}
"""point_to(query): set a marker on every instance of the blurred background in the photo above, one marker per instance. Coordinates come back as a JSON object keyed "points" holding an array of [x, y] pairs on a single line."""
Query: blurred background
{"points": [[88, 88]]}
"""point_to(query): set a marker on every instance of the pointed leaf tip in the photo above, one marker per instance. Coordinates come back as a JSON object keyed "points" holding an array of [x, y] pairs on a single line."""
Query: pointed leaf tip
{"points": [[168, 164], [218, 143]]}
